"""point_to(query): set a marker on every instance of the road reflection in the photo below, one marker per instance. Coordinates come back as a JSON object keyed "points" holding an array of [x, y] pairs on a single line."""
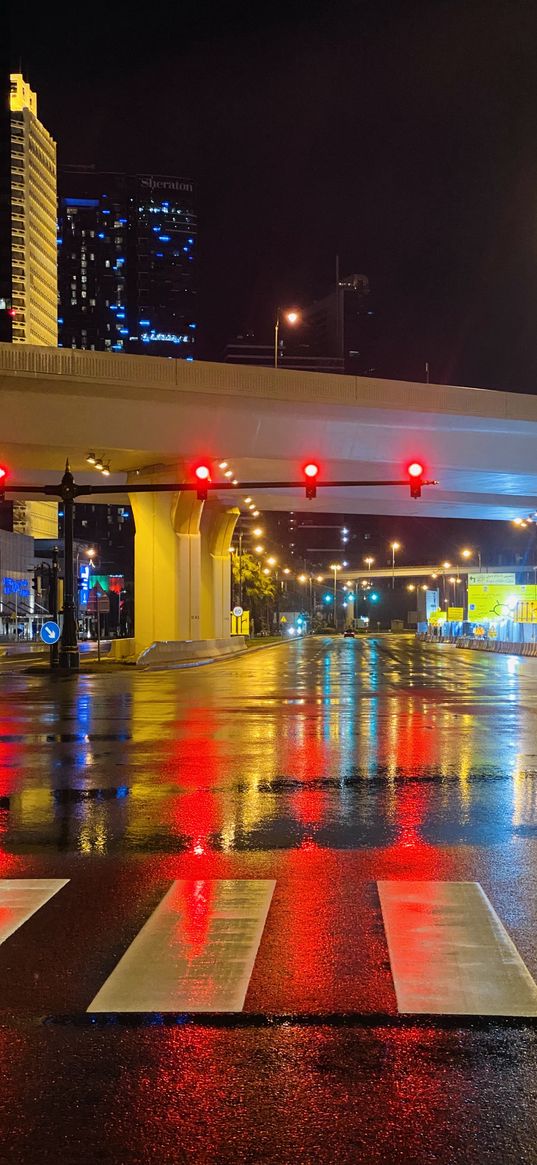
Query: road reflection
{"points": [[317, 744]]}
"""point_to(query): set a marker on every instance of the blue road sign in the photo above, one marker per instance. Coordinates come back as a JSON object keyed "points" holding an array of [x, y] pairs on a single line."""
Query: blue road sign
{"points": [[50, 632]]}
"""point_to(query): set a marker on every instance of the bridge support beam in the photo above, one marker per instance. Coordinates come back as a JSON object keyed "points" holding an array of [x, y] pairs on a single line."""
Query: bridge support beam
{"points": [[217, 529], [167, 566]]}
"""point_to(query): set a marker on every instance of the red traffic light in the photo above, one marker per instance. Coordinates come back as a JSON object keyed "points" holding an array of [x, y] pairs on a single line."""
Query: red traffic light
{"points": [[3, 475], [415, 472], [203, 474], [311, 470]]}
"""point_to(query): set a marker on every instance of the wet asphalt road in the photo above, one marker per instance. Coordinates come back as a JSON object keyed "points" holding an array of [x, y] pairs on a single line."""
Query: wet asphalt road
{"points": [[326, 765]]}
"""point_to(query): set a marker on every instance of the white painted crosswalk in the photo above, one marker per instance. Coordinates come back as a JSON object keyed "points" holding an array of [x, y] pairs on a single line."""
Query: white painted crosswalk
{"points": [[195, 953], [449, 953], [21, 897]]}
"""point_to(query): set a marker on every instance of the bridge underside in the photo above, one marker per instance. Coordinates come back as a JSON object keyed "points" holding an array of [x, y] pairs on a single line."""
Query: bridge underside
{"points": [[153, 418], [140, 412]]}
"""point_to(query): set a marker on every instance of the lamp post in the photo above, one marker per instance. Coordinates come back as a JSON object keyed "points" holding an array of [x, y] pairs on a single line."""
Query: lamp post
{"points": [[335, 566], [445, 566], [240, 568], [91, 552], [369, 563], [394, 546], [68, 656], [290, 317]]}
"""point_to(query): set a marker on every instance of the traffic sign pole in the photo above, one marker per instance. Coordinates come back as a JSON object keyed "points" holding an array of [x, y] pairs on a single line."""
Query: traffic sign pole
{"points": [[69, 656], [53, 603]]}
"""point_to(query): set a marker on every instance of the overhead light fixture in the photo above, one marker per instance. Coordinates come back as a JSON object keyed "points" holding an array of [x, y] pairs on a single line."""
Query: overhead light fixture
{"points": [[255, 513], [228, 473], [106, 470], [246, 500], [91, 458], [222, 465], [99, 463], [234, 482]]}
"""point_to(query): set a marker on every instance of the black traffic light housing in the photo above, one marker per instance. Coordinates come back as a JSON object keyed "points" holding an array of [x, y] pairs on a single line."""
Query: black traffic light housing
{"points": [[311, 471], [415, 477]]}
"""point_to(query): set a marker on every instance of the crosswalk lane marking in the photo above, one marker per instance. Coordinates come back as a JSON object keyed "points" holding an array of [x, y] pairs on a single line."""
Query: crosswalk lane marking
{"points": [[449, 952], [195, 953], [21, 897]]}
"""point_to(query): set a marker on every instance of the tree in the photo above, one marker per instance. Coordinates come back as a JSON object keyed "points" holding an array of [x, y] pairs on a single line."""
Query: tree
{"points": [[258, 588], [254, 583]]}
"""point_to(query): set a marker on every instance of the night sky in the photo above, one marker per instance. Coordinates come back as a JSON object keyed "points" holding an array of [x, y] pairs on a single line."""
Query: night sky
{"points": [[402, 136]]}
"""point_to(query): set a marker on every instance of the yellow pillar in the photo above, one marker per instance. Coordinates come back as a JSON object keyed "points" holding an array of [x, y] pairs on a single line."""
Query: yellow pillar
{"points": [[166, 565], [186, 515], [216, 534]]}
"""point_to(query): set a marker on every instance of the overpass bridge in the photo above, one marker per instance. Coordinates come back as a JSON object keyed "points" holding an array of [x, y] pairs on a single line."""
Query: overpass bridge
{"points": [[152, 417], [428, 571]]}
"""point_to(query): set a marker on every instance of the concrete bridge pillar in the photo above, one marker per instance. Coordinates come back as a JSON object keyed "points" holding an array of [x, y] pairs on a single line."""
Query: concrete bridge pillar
{"points": [[217, 529], [167, 565]]}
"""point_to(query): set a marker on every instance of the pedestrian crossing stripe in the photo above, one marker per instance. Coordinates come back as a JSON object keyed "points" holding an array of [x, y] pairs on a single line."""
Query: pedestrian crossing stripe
{"points": [[449, 952], [195, 953], [21, 897]]}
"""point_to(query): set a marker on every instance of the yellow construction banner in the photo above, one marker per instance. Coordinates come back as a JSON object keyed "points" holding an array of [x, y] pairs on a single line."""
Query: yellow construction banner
{"points": [[518, 603], [455, 614]]}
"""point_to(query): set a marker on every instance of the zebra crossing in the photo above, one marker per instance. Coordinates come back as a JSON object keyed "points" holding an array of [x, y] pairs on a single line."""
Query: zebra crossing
{"points": [[449, 953]]}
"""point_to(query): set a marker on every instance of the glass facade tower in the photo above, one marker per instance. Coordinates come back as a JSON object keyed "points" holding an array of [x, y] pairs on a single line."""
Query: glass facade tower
{"points": [[127, 263]]}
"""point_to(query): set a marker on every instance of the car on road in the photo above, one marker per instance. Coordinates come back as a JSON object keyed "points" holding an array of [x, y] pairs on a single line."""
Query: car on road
{"points": [[349, 633]]}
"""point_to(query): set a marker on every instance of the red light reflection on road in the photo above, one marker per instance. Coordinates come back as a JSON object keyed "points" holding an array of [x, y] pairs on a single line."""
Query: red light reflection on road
{"points": [[197, 899]]}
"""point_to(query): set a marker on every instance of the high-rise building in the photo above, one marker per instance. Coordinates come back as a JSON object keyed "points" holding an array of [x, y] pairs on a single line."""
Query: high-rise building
{"points": [[335, 334], [127, 263], [28, 255], [33, 221], [5, 183]]}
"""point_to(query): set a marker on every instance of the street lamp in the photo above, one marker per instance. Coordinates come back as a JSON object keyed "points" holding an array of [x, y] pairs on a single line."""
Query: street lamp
{"points": [[394, 547], [335, 566], [290, 317], [90, 552], [369, 562], [470, 554]]}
